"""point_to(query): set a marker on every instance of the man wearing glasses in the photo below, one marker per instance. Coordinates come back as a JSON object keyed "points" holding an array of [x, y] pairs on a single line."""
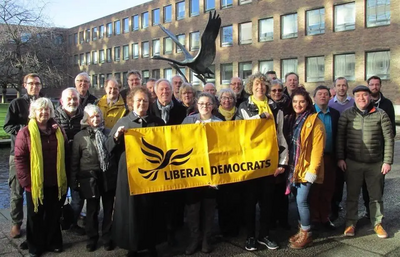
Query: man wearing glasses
{"points": [[17, 118], [134, 79], [82, 84], [237, 87]]}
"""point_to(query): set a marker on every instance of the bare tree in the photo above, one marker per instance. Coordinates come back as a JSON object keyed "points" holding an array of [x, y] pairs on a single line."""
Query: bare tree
{"points": [[28, 44]]}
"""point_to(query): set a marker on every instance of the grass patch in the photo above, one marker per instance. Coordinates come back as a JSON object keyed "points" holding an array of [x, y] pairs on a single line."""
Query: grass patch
{"points": [[3, 113]]}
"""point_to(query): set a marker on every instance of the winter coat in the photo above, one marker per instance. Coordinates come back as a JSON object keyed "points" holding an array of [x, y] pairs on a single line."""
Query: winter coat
{"points": [[71, 125], [176, 115], [365, 137], [87, 99], [387, 105], [111, 114], [86, 175], [16, 118]]}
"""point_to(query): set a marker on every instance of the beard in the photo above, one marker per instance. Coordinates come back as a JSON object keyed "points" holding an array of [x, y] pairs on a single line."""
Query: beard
{"points": [[70, 109]]}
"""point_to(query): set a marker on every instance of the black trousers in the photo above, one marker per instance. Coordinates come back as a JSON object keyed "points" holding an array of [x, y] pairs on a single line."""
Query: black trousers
{"points": [[92, 213], [261, 191], [230, 208], [338, 194], [280, 204], [43, 230]]}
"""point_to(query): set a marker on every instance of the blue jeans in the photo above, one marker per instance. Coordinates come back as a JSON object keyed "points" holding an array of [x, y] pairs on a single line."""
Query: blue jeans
{"points": [[303, 207]]}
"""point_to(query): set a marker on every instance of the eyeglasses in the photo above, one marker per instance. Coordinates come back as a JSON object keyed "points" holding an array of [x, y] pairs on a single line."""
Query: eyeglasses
{"points": [[205, 104], [276, 90], [82, 80], [38, 84], [227, 98]]}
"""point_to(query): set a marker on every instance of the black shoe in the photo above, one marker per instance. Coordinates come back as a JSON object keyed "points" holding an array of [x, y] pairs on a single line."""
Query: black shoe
{"points": [[329, 225], [131, 254], [171, 239], [192, 247], [334, 216], [91, 246], [34, 254], [251, 244], [23, 245], [77, 230], [109, 246], [268, 242], [153, 253]]}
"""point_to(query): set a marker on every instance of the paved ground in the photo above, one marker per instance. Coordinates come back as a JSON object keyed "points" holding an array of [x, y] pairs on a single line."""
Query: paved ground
{"points": [[326, 244]]}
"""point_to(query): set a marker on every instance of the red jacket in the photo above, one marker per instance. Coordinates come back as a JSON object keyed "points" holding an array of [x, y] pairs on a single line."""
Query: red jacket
{"points": [[49, 151]]}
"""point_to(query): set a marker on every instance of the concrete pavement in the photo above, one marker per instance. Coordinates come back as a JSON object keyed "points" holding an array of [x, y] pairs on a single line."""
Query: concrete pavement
{"points": [[326, 244]]}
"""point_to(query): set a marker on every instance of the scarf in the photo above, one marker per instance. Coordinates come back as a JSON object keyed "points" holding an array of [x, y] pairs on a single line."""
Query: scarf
{"points": [[295, 146], [36, 165], [261, 105], [227, 114], [165, 110], [102, 153]]}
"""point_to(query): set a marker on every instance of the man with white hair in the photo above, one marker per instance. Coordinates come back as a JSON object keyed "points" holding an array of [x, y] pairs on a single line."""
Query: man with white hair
{"points": [[69, 115], [82, 84], [210, 88], [176, 82], [237, 87]]}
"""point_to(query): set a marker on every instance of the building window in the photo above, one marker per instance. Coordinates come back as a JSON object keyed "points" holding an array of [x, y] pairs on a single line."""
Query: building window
{"points": [[102, 57], [124, 80], [155, 73], [156, 47], [193, 79], [76, 38], [81, 37], [102, 80], [181, 39], [168, 73], [266, 30], [102, 31], [378, 64], [94, 81], [94, 57], [109, 29], [88, 58], [156, 17], [226, 3], [82, 59], [94, 34], [345, 66], [315, 69], [180, 10], [125, 52], [244, 2], [117, 76], [125, 24], [145, 76], [145, 49], [108, 53], [70, 39], [194, 41], [145, 20], [135, 22], [264, 66], [167, 13], [345, 17], [377, 13], [227, 36], [117, 27], [245, 33], [209, 5], [245, 69], [289, 25], [135, 50], [87, 36], [288, 65], [226, 73], [76, 59], [315, 21], [194, 8], [168, 45]]}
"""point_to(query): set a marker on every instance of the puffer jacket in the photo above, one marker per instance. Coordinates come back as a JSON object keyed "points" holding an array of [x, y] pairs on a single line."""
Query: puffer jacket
{"points": [[71, 125], [111, 114], [310, 167], [86, 175], [365, 136]]}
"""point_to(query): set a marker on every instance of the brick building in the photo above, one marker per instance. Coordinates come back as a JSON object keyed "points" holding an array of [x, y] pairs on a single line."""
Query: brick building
{"points": [[318, 39]]}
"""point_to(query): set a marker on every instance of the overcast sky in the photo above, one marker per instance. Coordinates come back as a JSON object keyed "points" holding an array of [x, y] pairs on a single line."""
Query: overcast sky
{"points": [[70, 13]]}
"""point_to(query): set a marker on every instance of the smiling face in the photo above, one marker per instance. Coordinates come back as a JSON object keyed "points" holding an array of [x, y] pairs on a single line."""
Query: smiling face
{"points": [[205, 106], [112, 90], [259, 89], [94, 119], [236, 85], [299, 104], [42, 115], [33, 86], [187, 97], [292, 82], [362, 99], [227, 101], [82, 84], [341, 87], [140, 103], [276, 92], [134, 81], [164, 93], [70, 101]]}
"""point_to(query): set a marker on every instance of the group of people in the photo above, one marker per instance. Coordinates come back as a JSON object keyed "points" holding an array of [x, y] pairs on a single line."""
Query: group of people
{"points": [[80, 145]]}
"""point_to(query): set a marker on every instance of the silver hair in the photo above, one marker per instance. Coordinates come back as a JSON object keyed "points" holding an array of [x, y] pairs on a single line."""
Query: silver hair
{"points": [[186, 86], [276, 82], [90, 108], [38, 104], [226, 91], [177, 76], [70, 89], [162, 80], [83, 74]]}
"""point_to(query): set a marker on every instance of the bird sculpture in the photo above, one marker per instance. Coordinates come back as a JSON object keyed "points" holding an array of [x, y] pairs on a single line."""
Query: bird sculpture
{"points": [[205, 56]]}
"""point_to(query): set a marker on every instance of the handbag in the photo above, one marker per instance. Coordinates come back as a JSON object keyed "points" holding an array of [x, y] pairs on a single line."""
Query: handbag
{"points": [[67, 215]]}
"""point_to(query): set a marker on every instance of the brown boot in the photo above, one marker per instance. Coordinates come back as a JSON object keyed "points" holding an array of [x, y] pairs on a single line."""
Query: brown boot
{"points": [[295, 237], [15, 231], [304, 240]]}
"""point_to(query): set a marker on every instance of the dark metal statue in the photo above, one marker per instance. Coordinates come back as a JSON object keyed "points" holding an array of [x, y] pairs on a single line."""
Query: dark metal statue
{"points": [[206, 54]]}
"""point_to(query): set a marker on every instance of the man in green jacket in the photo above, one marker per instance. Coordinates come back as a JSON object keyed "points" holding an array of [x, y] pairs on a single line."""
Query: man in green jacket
{"points": [[365, 145]]}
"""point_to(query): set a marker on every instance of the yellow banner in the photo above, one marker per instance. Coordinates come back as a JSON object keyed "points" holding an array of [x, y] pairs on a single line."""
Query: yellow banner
{"points": [[193, 155]]}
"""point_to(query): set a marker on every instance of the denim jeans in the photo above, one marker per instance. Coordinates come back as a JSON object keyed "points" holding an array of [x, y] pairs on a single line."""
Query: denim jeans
{"points": [[303, 207]]}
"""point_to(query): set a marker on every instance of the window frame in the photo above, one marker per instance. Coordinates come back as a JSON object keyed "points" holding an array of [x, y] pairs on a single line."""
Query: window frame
{"points": [[191, 41], [178, 17], [267, 38], [335, 26], [125, 27], [225, 80], [167, 41], [293, 34], [318, 78], [135, 24], [191, 13], [224, 43], [144, 55], [125, 49], [248, 41], [155, 22], [145, 20], [321, 30], [377, 23], [283, 73], [335, 65], [385, 76], [165, 16]]}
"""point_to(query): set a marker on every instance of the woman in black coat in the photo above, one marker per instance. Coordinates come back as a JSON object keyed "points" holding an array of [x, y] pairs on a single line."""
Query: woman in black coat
{"points": [[138, 223], [93, 177]]}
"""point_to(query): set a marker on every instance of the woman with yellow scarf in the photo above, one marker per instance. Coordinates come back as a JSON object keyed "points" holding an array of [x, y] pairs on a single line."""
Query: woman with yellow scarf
{"points": [[227, 104], [40, 164], [261, 190]]}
